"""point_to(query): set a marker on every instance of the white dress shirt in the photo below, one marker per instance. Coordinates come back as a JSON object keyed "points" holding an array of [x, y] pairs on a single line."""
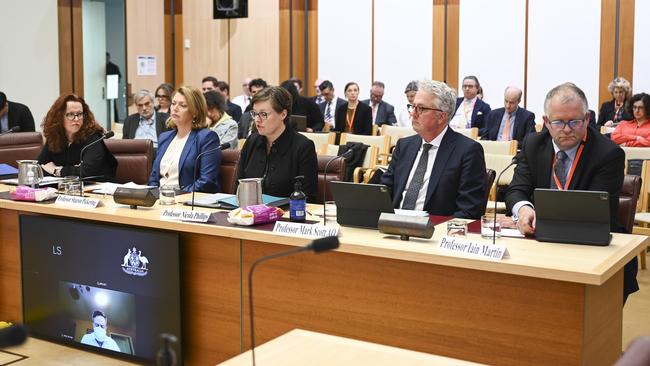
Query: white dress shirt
{"points": [[170, 162]]}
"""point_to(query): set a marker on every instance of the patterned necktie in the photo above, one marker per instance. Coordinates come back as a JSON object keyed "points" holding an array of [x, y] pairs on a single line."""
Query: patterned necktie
{"points": [[418, 177], [560, 169], [328, 114], [505, 135]]}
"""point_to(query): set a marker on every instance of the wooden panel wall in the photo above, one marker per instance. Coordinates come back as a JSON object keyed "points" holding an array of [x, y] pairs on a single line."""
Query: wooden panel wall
{"points": [[438, 70], [71, 72], [607, 45], [296, 15], [144, 29], [178, 41]]}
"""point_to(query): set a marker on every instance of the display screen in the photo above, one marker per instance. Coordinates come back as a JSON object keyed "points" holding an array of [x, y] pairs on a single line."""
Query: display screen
{"points": [[109, 288]]}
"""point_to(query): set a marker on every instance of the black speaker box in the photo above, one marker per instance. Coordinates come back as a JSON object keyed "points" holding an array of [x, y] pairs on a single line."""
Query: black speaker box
{"points": [[135, 197]]}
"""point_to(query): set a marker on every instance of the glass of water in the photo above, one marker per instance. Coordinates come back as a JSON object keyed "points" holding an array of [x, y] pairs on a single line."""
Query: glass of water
{"points": [[167, 195], [490, 227]]}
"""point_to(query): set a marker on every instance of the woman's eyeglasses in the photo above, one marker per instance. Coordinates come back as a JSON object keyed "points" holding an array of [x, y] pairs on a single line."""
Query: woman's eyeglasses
{"points": [[162, 96], [74, 116]]}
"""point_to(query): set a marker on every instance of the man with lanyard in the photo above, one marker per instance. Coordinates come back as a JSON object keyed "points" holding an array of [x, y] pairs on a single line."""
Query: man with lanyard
{"points": [[568, 154]]}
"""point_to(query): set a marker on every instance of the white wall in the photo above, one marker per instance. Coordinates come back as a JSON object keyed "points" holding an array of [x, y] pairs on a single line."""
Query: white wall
{"points": [[563, 45], [492, 46], [403, 46], [641, 71], [344, 43], [29, 62]]}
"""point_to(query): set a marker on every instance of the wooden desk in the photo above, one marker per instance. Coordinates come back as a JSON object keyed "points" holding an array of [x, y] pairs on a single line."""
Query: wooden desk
{"points": [[547, 304], [300, 347]]}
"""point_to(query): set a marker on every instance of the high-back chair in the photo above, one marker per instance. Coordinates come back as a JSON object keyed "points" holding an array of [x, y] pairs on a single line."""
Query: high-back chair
{"points": [[469, 132], [382, 143], [395, 133], [369, 160], [228, 170], [640, 153], [498, 162], [320, 139], [134, 159], [335, 172], [499, 147], [20, 146]]}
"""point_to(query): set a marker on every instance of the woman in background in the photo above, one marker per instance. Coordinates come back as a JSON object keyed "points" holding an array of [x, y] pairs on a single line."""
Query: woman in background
{"points": [[219, 121], [164, 97], [635, 133], [68, 127], [179, 148], [614, 111], [353, 117], [404, 117]]}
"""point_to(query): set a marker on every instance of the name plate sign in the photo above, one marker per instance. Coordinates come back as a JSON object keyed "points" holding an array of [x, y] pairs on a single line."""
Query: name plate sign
{"points": [[76, 201], [473, 248], [184, 215], [312, 231]]}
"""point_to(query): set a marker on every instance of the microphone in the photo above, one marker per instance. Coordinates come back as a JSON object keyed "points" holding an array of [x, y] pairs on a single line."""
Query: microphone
{"points": [[317, 246], [11, 130], [12, 335], [106, 135], [221, 147], [344, 155], [496, 186]]}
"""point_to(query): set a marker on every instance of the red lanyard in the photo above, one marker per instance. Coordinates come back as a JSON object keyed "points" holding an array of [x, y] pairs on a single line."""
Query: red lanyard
{"points": [[573, 167], [351, 120]]}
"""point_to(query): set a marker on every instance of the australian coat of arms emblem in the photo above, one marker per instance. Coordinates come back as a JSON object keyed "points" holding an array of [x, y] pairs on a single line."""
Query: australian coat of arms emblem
{"points": [[135, 263]]}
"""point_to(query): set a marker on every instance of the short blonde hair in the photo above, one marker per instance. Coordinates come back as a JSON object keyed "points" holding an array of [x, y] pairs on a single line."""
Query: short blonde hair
{"points": [[195, 104], [621, 83]]}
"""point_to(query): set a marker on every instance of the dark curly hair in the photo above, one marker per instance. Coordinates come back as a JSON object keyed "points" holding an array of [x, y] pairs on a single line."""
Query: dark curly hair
{"points": [[54, 131], [645, 98]]}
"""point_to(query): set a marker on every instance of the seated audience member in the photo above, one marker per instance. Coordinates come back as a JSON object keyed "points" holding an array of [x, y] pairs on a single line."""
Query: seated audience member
{"points": [[246, 124], [164, 97], [14, 114], [68, 127], [614, 111], [470, 109], [209, 83], [297, 83], [635, 133], [404, 117], [303, 106], [244, 99], [382, 112], [219, 121], [147, 123], [277, 152], [352, 116], [567, 155], [318, 98], [479, 93], [233, 109], [438, 170], [510, 122], [330, 103], [179, 147]]}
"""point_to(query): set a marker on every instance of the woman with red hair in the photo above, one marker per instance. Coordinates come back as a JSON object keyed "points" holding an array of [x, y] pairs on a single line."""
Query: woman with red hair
{"points": [[68, 127]]}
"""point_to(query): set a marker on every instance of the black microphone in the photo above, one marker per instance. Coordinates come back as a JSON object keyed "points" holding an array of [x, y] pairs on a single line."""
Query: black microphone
{"points": [[496, 188], [11, 130], [318, 246], [344, 155], [224, 146], [12, 335], [106, 135]]}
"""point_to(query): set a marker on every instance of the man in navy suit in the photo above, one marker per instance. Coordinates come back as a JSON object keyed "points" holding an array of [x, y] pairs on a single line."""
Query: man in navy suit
{"points": [[330, 103], [470, 109], [383, 113], [511, 122], [14, 114], [438, 170]]}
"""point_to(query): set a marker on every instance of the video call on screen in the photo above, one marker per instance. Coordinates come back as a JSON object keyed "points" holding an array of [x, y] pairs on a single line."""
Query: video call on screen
{"points": [[128, 278]]}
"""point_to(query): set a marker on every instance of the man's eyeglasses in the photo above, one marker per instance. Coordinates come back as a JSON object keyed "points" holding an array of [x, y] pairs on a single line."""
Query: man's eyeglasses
{"points": [[418, 109], [560, 125], [74, 116], [262, 115], [162, 96]]}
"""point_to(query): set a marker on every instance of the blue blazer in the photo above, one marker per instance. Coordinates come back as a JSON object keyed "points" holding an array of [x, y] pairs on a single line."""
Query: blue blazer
{"points": [[481, 110], [457, 185], [524, 124], [208, 170]]}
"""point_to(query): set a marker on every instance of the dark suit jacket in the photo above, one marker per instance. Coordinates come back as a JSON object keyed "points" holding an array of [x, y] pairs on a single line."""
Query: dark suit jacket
{"points": [[481, 110], [132, 122], [457, 182], [385, 113], [362, 123], [19, 115], [198, 141], [338, 103], [233, 110], [606, 113], [599, 169], [524, 124], [304, 106]]}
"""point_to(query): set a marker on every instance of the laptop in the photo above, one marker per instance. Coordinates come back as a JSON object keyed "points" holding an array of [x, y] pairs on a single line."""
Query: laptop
{"points": [[298, 122], [575, 217], [359, 205]]}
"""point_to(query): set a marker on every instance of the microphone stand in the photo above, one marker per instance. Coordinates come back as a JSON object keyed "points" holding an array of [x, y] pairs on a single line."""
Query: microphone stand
{"points": [[496, 186], [196, 163], [344, 155], [11, 130], [105, 136]]}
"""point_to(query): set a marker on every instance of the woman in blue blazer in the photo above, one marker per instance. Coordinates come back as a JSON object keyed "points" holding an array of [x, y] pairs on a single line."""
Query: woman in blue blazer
{"points": [[179, 147]]}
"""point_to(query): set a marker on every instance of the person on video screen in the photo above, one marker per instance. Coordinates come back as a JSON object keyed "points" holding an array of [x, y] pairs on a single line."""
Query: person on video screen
{"points": [[98, 337]]}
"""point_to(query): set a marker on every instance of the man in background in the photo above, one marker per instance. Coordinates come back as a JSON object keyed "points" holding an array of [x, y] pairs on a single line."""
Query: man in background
{"points": [[147, 123], [99, 338], [233, 109], [14, 114], [382, 112], [244, 99], [510, 122], [330, 103], [470, 109]]}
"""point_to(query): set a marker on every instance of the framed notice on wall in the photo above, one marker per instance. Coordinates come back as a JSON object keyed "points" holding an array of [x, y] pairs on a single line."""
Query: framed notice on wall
{"points": [[146, 65]]}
